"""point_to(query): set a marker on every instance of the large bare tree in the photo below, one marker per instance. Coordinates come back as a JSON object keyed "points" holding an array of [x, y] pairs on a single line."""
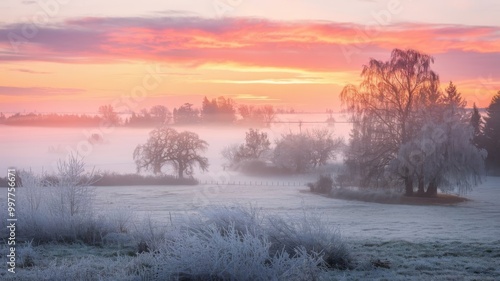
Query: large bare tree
{"points": [[406, 128], [167, 146], [387, 107]]}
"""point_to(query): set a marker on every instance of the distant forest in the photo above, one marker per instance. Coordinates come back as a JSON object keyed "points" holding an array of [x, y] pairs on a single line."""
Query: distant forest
{"points": [[216, 111]]}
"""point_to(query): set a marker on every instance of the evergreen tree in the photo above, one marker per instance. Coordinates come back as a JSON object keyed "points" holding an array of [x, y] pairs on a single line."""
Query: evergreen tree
{"points": [[452, 97], [476, 123], [492, 131]]}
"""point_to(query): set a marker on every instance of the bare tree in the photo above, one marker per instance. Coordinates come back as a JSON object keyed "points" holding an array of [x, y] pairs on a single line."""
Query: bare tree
{"points": [[390, 99], [324, 146], [299, 152], [167, 146], [259, 116], [293, 152], [161, 114], [109, 115], [268, 114], [406, 131], [256, 145]]}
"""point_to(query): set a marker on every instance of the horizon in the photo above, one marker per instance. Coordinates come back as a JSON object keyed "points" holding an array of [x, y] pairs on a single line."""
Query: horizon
{"points": [[78, 56]]}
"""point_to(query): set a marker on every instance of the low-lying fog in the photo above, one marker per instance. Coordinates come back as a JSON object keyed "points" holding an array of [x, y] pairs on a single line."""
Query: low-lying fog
{"points": [[39, 148]]}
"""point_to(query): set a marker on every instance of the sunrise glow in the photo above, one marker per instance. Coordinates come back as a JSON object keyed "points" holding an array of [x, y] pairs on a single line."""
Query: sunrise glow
{"points": [[76, 57]]}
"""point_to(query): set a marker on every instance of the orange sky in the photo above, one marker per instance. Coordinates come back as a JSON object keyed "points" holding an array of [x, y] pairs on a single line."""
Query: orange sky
{"points": [[75, 62]]}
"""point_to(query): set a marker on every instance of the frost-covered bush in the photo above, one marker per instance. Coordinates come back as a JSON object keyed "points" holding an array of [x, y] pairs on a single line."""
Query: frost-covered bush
{"points": [[220, 243], [237, 243], [312, 233], [243, 219], [209, 254], [61, 210], [149, 234], [26, 255]]}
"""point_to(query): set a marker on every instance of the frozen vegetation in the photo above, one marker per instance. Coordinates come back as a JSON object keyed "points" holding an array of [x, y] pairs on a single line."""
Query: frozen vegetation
{"points": [[256, 228], [264, 233]]}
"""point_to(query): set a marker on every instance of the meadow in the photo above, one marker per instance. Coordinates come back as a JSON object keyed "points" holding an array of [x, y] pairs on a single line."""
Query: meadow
{"points": [[280, 230]]}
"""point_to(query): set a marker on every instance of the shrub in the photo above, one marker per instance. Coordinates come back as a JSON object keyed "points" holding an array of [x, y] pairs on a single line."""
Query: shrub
{"points": [[323, 185], [237, 243], [149, 234], [61, 210], [244, 220], [212, 255], [312, 234]]}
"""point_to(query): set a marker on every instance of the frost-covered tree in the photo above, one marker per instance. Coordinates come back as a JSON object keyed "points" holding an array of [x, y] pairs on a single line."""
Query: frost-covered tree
{"points": [[492, 131], [299, 152], [388, 108], [256, 145], [293, 152], [407, 132], [442, 156], [75, 193], [324, 146], [167, 146]]}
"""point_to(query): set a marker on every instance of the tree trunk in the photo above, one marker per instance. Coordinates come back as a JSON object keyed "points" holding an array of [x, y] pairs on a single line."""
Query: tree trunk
{"points": [[421, 186], [408, 186], [431, 189], [181, 172], [157, 169]]}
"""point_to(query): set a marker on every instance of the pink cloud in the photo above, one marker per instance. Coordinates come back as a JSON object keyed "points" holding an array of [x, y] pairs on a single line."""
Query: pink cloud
{"points": [[319, 46]]}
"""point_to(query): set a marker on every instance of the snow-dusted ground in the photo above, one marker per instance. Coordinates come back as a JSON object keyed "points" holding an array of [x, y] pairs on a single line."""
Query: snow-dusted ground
{"points": [[458, 242], [477, 220]]}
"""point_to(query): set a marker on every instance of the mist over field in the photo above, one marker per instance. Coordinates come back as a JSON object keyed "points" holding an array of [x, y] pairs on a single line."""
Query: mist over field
{"points": [[39, 148], [249, 140], [384, 241]]}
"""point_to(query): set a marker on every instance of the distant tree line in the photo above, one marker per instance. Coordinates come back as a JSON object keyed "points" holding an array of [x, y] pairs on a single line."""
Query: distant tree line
{"points": [[219, 111], [224, 111], [50, 120]]}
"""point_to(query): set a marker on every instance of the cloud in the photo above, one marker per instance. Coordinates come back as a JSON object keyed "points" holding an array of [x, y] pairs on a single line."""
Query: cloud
{"points": [[38, 91], [25, 70], [196, 41]]}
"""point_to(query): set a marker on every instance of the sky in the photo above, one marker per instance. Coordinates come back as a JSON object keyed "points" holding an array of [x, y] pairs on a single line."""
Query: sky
{"points": [[73, 56]]}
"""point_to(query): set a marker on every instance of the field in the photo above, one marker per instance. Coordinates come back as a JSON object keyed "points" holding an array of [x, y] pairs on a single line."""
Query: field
{"points": [[432, 242], [387, 242]]}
